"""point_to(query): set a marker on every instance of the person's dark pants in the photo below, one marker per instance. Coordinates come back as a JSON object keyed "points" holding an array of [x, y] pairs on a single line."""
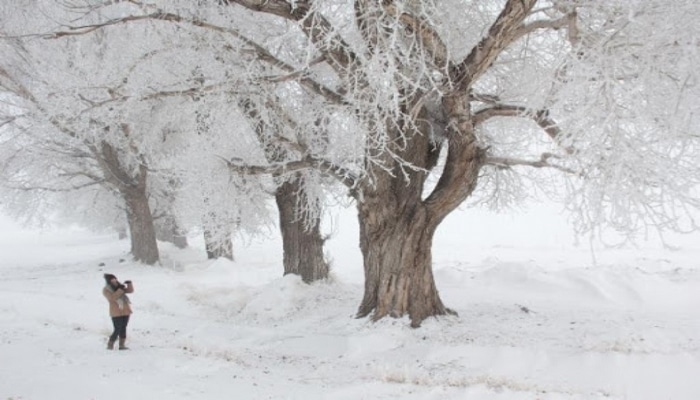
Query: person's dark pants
{"points": [[120, 324]]}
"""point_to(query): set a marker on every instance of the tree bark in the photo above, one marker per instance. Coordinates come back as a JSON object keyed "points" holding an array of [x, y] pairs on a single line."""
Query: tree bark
{"points": [[134, 191], [397, 225], [396, 250], [302, 242], [144, 246], [301, 239]]}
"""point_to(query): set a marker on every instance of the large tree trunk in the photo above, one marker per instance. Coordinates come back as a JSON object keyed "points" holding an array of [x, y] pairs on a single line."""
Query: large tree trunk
{"points": [[302, 242], [301, 238], [133, 189], [144, 247], [396, 250], [397, 224]]}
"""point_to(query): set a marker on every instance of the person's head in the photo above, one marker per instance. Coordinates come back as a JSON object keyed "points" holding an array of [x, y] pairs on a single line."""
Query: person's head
{"points": [[110, 279]]}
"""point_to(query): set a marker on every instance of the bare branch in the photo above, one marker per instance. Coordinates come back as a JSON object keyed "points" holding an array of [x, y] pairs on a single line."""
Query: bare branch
{"points": [[93, 178], [7, 121], [336, 51], [281, 8], [541, 118], [116, 98], [484, 98], [555, 24], [108, 159], [20, 90], [276, 156], [308, 162], [543, 162], [367, 20], [71, 188], [429, 39], [573, 30], [14, 86], [260, 52], [236, 165], [571, 15], [342, 174], [503, 31], [296, 74]]}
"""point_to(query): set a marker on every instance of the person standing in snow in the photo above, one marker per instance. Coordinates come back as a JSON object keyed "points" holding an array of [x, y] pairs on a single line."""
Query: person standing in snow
{"points": [[119, 308]]}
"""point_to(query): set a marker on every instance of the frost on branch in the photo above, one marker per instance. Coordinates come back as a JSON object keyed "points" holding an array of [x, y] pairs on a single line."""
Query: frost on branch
{"points": [[628, 98]]}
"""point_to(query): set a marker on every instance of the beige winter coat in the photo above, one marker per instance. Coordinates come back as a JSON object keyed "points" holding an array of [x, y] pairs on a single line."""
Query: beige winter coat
{"points": [[118, 308]]}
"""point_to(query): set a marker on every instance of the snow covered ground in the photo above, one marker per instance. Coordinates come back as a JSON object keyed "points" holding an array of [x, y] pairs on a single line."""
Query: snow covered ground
{"points": [[538, 319]]}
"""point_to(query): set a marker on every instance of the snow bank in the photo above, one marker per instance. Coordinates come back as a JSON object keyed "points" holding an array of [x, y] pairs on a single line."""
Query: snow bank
{"points": [[550, 326]]}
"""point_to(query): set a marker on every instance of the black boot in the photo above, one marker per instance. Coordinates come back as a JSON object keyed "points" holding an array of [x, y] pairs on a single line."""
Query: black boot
{"points": [[121, 344]]}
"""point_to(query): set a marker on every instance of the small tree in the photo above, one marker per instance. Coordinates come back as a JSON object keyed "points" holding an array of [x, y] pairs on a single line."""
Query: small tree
{"points": [[98, 136], [211, 199]]}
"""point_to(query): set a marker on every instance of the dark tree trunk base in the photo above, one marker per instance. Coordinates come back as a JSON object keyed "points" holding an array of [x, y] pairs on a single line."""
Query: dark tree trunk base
{"points": [[301, 240], [144, 246], [398, 265], [133, 189]]}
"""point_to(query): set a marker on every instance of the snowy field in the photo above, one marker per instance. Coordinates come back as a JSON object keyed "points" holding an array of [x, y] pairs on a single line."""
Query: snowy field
{"points": [[538, 319]]}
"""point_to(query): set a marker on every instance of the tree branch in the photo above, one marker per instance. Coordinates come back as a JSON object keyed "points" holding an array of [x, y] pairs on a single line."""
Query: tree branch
{"points": [[555, 24], [505, 162], [108, 159], [429, 39], [277, 154], [20, 90], [571, 16], [541, 118], [501, 33], [308, 162], [29, 188], [336, 51], [7, 121], [367, 17], [15, 87], [260, 52], [484, 98], [342, 174], [93, 178]]}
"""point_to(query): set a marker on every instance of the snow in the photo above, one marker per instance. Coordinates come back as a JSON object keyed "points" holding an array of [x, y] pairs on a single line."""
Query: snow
{"points": [[538, 319]]}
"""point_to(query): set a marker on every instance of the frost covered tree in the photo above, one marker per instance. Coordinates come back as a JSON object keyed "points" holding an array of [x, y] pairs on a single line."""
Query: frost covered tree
{"points": [[298, 195], [419, 106], [482, 92], [197, 65], [63, 158], [66, 118], [221, 205]]}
